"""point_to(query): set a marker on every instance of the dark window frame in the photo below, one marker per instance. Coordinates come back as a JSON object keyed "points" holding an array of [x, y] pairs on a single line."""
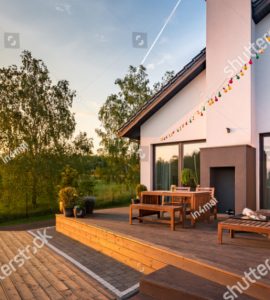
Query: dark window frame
{"points": [[261, 170], [180, 155]]}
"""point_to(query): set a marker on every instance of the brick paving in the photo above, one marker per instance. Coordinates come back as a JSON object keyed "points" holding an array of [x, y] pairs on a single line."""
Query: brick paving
{"points": [[117, 274]]}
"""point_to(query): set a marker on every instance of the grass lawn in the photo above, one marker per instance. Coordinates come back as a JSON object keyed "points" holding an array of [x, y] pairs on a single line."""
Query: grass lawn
{"points": [[107, 196], [27, 220]]}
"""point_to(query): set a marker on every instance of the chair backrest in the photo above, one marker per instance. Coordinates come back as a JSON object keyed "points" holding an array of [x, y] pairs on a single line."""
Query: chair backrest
{"points": [[183, 188], [206, 189]]}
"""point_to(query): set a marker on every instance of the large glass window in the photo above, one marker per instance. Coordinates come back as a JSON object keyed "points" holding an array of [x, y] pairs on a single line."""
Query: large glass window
{"points": [[191, 160], [265, 171], [171, 159], [166, 166]]}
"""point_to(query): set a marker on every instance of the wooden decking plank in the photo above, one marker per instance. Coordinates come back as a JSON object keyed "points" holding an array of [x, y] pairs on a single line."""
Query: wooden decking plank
{"points": [[30, 280], [15, 278]]}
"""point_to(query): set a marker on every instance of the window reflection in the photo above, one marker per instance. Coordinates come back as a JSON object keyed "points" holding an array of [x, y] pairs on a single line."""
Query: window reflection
{"points": [[191, 160], [166, 166]]}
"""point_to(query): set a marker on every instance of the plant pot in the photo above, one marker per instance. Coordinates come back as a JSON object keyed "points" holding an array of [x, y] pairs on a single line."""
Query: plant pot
{"points": [[79, 212], [61, 207], [68, 212], [89, 204]]}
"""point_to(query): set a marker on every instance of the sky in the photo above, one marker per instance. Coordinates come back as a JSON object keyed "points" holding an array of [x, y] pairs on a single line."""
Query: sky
{"points": [[90, 43]]}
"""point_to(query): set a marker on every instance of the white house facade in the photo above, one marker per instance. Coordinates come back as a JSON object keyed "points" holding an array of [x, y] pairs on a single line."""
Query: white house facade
{"points": [[214, 116]]}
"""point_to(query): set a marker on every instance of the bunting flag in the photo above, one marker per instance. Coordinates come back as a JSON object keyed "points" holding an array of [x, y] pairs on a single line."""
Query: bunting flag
{"points": [[224, 89]]}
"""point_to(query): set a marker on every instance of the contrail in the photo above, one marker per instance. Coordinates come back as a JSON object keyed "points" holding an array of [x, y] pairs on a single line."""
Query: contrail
{"points": [[161, 31]]}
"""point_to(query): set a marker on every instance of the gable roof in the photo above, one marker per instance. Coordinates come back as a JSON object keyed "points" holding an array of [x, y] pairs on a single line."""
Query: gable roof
{"points": [[131, 129]]}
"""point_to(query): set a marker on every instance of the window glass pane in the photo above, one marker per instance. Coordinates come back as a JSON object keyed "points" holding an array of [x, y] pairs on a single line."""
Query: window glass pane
{"points": [[166, 166], [191, 160], [266, 173]]}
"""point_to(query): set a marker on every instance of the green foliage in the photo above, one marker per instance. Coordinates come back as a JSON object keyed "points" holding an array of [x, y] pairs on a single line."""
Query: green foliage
{"points": [[187, 177], [140, 188], [68, 196], [121, 154], [69, 177], [86, 185], [36, 112]]}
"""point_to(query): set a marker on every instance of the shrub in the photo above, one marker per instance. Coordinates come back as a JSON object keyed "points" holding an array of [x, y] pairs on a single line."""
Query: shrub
{"points": [[68, 196], [140, 188]]}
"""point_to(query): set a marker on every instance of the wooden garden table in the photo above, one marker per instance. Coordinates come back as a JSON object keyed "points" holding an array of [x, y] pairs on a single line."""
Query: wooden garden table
{"points": [[196, 200]]}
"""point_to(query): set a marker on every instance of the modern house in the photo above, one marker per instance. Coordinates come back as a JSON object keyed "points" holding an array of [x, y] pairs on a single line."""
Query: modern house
{"points": [[214, 115]]}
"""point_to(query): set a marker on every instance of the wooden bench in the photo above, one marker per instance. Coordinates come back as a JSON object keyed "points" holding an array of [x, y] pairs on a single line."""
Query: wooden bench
{"points": [[242, 225], [171, 209]]}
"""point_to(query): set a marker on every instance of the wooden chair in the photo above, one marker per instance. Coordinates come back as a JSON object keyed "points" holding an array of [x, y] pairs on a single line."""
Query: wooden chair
{"points": [[181, 200], [212, 192]]}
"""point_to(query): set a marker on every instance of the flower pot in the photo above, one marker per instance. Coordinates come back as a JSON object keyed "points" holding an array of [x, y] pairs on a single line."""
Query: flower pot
{"points": [[68, 212], [89, 204], [79, 212]]}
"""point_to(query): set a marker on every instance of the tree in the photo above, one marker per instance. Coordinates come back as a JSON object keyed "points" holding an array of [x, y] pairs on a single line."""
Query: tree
{"points": [[121, 153], [35, 111], [82, 145]]}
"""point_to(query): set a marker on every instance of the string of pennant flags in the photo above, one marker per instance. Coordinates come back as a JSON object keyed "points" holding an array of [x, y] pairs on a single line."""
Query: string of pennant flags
{"points": [[223, 89]]}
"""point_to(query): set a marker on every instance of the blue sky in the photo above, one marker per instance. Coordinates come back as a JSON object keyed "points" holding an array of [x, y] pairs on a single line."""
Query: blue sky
{"points": [[89, 42]]}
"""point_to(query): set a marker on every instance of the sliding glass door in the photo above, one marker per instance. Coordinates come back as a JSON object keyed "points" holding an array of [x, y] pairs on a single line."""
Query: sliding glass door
{"points": [[265, 171], [171, 159], [166, 166]]}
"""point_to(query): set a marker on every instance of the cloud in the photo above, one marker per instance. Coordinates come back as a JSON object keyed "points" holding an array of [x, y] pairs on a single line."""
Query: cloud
{"points": [[150, 66], [63, 8], [101, 38]]}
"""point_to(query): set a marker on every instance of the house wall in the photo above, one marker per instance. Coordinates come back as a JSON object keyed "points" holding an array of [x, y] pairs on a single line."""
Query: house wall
{"points": [[168, 118], [228, 32], [261, 111]]}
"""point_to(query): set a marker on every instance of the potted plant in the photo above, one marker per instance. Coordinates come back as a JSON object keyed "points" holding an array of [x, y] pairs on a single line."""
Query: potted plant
{"points": [[89, 204], [139, 189], [68, 196], [79, 209], [187, 177]]}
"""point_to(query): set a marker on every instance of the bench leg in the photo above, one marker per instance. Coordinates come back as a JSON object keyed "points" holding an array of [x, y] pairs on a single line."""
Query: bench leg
{"points": [[130, 215], [232, 234], [220, 232], [173, 220]]}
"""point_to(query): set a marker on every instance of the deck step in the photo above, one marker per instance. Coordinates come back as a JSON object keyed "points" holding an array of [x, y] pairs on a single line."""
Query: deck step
{"points": [[174, 284]]}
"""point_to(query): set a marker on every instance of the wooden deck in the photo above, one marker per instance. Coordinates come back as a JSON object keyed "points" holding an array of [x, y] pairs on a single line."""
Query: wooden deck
{"points": [[45, 275], [148, 247]]}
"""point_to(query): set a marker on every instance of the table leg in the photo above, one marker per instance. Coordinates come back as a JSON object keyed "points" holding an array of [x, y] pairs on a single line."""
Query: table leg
{"points": [[172, 220], [220, 232], [130, 214], [232, 234], [183, 216]]}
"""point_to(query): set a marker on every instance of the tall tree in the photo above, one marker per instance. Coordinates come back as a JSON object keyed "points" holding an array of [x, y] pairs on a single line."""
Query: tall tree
{"points": [[35, 111], [135, 90]]}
